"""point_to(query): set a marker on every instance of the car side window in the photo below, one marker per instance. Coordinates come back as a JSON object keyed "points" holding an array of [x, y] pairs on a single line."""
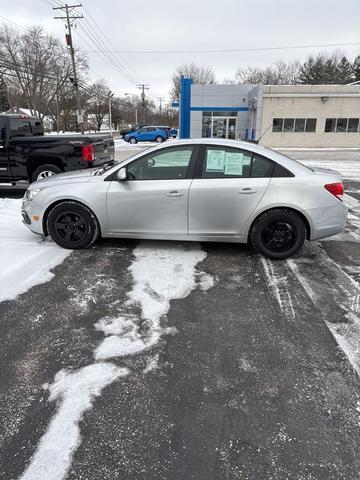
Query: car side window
{"points": [[169, 165], [261, 167], [226, 163], [230, 162]]}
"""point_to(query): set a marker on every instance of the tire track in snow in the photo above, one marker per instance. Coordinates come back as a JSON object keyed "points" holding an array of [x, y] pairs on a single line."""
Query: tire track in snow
{"points": [[161, 273], [277, 280], [336, 293]]}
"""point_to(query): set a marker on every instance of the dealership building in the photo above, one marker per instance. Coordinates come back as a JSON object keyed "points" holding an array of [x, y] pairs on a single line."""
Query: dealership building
{"points": [[274, 115]]}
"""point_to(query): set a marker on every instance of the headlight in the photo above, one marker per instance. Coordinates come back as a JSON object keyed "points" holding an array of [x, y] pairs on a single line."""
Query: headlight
{"points": [[31, 193]]}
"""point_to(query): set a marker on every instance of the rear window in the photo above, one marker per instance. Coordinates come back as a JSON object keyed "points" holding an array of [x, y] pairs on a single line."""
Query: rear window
{"points": [[36, 127], [19, 128]]}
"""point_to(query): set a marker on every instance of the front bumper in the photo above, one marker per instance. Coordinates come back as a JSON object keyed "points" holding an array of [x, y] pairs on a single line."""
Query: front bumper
{"points": [[32, 216]]}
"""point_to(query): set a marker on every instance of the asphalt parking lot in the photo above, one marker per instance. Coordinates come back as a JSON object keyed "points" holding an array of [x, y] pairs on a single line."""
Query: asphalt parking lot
{"points": [[242, 368]]}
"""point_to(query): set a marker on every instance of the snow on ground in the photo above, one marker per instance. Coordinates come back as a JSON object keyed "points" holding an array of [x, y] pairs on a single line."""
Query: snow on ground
{"points": [[25, 258], [161, 272], [77, 392], [121, 144]]}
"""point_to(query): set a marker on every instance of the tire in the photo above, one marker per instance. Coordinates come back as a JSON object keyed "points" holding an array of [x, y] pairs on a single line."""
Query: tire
{"points": [[278, 234], [132, 140], [159, 139], [72, 225], [45, 171]]}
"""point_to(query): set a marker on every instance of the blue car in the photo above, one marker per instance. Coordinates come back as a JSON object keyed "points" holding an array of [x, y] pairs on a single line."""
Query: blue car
{"points": [[147, 134]]}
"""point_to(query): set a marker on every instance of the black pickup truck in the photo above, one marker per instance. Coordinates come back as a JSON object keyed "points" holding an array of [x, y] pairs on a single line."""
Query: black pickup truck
{"points": [[26, 154]]}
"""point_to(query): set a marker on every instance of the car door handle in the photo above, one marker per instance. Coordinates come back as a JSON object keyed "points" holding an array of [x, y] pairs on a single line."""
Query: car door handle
{"points": [[247, 191], [175, 193]]}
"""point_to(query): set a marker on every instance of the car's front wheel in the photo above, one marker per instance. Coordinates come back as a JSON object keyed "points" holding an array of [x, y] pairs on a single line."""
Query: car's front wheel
{"points": [[159, 139], [72, 225], [133, 140], [278, 234]]}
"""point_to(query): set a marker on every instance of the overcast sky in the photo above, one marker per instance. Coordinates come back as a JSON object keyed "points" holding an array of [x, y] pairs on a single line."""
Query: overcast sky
{"points": [[196, 25]]}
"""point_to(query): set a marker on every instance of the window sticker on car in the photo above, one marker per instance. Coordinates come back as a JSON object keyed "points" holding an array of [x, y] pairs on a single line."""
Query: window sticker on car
{"points": [[215, 160], [234, 163]]}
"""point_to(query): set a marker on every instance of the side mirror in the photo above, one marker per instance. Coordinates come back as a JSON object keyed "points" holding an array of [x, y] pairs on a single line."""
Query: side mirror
{"points": [[121, 175]]}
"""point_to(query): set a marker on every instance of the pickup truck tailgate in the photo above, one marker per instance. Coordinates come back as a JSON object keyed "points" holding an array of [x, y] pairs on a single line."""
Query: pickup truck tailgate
{"points": [[104, 150]]}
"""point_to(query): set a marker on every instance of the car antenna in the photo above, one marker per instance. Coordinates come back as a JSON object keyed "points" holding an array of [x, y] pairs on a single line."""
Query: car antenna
{"points": [[268, 128]]}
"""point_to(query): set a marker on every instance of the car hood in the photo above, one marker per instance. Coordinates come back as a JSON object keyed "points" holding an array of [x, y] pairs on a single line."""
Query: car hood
{"points": [[76, 176]]}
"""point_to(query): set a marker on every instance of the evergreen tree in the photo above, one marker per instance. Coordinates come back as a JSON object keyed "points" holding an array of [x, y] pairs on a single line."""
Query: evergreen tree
{"points": [[356, 69], [320, 70], [345, 71]]}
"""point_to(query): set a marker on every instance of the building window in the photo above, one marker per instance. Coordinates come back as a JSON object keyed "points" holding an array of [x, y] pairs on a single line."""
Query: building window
{"points": [[310, 125], [294, 125], [299, 125], [353, 125], [330, 125], [206, 125], [342, 125], [278, 124], [289, 124]]}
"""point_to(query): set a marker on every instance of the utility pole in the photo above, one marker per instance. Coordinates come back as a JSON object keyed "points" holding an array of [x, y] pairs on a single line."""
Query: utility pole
{"points": [[143, 87], [160, 103], [69, 21], [110, 113]]}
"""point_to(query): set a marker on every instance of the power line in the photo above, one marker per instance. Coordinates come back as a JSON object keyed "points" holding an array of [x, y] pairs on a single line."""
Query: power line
{"points": [[13, 24], [106, 38], [107, 57], [231, 50], [101, 49], [24, 69]]}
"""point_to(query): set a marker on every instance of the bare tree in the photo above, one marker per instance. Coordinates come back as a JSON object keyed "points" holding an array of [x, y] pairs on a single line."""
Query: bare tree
{"points": [[97, 104], [279, 73], [199, 75], [37, 71]]}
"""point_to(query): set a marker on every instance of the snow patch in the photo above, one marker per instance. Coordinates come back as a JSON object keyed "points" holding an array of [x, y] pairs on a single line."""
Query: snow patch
{"points": [[161, 273], [205, 281], [26, 259], [152, 364], [76, 391]]}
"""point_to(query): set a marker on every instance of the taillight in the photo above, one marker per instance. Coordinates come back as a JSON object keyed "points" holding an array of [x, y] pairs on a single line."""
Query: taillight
{"points": [[88, 153], [337, 189]]}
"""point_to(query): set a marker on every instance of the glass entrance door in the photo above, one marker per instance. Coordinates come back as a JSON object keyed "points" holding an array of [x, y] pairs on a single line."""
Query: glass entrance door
{"points": [[223, 127]]}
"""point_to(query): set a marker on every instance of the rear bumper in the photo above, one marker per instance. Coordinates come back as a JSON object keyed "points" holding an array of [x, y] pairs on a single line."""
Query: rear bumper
{"points": [[328, 221]]}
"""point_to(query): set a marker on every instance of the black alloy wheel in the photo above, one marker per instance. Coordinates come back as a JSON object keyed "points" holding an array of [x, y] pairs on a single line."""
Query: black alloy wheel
{"points": [[72, 225], [278, 233]]}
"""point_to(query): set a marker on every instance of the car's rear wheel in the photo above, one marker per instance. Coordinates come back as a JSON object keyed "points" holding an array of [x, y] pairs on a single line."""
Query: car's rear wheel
{"points": [[278, 234], [133, 140], [44, 171], [159, 139], [72, 225]]}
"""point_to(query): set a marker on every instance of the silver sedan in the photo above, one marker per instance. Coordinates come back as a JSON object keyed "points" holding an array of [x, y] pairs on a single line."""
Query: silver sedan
{"points": [[201, 189]]}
